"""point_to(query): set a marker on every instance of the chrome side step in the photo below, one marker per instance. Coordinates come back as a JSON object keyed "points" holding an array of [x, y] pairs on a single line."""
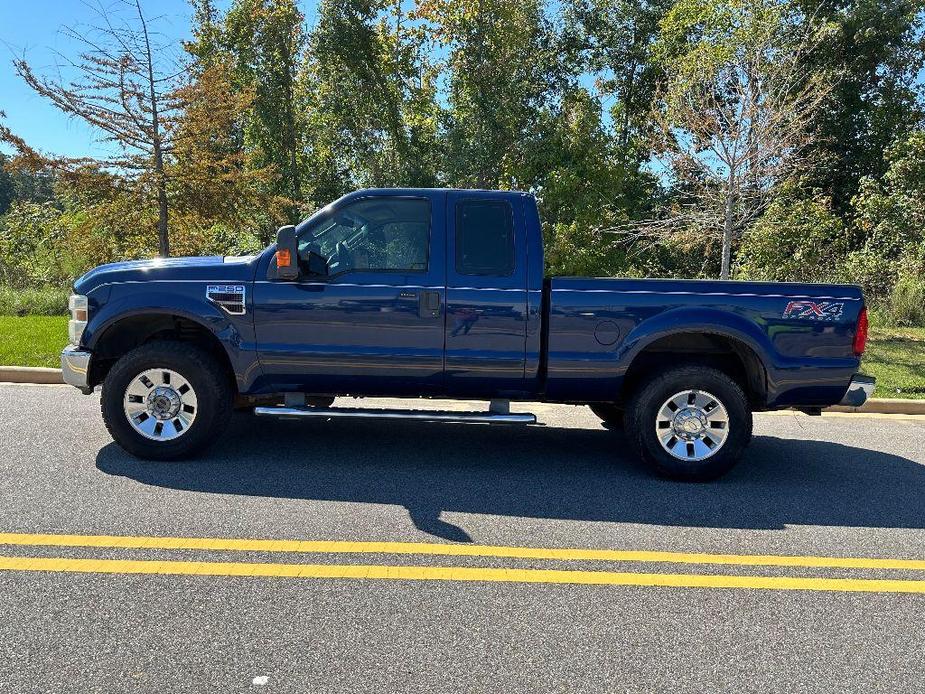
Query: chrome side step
{"points": [[422, 415]]}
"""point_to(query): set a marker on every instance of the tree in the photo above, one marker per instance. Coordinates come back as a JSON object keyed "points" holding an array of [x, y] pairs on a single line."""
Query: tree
{"points": [[501, 68], [612, 41], [584, 184], [799, 238], [7, 192], [266, 40], [122, 84], [369, 88], [875, 52], [206, 46], [732, 117], [211, 177], [889, 214]]}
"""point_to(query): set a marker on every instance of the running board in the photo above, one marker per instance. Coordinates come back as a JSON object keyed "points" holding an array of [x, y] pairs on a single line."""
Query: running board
{"points": [[425, 415]]}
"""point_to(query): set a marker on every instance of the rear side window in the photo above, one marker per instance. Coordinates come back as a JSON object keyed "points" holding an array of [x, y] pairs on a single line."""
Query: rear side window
{"points": [[484, 238]]}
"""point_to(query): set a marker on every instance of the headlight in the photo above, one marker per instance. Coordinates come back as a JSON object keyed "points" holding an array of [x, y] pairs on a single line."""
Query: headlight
{"points": [[79, 314]]}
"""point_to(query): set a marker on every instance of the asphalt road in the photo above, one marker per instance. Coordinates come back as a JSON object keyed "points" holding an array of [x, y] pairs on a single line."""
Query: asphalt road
{"points": [[836, 486]]}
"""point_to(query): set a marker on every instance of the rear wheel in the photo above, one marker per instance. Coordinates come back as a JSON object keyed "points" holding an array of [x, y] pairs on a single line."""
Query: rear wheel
{"points": [[690, 423], [166, 400]]}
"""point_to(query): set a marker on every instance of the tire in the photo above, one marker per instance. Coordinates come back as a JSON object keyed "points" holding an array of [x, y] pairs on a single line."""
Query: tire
{"points": [[609, 413], [694, 445], [190, 396]]}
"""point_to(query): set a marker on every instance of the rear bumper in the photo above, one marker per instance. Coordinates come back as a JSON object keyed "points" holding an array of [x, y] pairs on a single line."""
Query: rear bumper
{"points": [[75, 368], [860, 390]]}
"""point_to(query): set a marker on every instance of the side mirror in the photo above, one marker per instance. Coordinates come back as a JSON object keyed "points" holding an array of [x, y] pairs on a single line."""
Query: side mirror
{"points": [[287, 254]]}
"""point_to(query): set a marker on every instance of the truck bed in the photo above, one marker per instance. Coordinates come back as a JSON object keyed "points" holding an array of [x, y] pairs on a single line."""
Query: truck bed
{"points": [[803, 332]]}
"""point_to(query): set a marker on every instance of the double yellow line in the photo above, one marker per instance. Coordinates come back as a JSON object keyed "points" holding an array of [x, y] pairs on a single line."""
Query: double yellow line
{"points": [[456, 573]]}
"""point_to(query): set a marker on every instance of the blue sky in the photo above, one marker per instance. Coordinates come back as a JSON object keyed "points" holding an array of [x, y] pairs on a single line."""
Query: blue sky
{"points": [[33, 28]]}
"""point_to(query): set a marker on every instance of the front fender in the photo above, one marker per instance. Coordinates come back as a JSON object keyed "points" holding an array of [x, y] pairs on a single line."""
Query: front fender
{"points": [[234, 332]]}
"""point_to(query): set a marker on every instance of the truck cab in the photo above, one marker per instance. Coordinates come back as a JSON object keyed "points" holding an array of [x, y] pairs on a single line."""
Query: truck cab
{"points": [[429, 292]]}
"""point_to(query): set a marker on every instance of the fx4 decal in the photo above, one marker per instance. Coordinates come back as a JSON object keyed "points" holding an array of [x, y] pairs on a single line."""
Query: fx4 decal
{"points": [[814, 310]]}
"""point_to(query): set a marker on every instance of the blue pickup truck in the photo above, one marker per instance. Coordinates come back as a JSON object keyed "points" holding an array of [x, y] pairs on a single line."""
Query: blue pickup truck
{"points": [[441, 293]]}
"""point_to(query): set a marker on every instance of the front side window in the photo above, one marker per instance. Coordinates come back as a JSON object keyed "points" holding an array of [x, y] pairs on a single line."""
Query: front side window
{"points": [[374, 234], [484, 238]]}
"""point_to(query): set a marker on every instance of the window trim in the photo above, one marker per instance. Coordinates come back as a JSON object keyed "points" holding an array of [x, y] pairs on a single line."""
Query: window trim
{"points": [[456, 228]]}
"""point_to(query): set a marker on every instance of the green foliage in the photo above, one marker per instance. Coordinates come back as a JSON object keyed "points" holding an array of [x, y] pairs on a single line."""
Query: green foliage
{"points": [[907, 302], [265, 40], [6, 185], [31, 237], [23, 185], [35, 301], [612, 41], [874, 55], [889, 218], [369, 88], [275, 118], [796, 240], [500, 70]]}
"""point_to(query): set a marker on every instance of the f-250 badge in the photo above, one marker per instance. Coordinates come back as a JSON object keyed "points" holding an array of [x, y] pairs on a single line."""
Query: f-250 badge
{"points": [[814, 310]]}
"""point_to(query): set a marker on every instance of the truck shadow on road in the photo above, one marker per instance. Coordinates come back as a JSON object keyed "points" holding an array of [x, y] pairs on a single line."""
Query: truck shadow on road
{"points": [[547, 472]]}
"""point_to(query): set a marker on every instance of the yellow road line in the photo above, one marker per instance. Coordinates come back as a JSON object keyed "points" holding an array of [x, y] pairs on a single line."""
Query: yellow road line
{"points": [[476, 574], [460, 550]]}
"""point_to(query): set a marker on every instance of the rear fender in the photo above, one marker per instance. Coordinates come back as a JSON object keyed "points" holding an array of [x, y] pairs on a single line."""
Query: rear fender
{"points": [[698, 320]]}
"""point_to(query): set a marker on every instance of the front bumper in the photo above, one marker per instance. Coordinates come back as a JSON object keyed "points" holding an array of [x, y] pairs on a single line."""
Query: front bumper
{"points": [[75, 368], [859, 391]]}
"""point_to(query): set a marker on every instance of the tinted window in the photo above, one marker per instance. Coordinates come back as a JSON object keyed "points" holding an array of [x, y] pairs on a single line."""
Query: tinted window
{"points": [[484, 238], [374, 234]]}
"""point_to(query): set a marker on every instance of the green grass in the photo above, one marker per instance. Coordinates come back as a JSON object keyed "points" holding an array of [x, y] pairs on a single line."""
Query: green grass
{"points": [[896, 356], [32, 340]]}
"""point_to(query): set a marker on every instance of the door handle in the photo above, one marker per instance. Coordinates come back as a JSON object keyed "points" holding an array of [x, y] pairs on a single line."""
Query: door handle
{"points": [[429, 304]]}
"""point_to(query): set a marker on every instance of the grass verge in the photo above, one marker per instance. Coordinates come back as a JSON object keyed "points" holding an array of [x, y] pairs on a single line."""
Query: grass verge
{"points": [[896, 356], [32, 340]]}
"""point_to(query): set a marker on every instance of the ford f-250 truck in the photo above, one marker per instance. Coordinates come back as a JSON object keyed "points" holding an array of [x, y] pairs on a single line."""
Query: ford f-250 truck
{"points": [[441, 293]]}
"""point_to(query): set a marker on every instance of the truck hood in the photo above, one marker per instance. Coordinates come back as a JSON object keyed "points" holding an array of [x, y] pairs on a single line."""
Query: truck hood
{"points": [[206, 268]]}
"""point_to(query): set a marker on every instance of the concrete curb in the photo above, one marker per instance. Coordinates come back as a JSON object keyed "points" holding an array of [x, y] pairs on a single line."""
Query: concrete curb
{"points": [[37, 374], [30, 374], [884, 406]]}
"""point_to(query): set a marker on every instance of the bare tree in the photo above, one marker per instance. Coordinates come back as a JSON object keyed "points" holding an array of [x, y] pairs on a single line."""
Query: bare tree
{"points": [[730, 125], [123, 83]]}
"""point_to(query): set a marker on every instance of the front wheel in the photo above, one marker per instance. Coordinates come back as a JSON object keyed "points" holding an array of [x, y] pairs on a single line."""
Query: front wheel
{"points": [[690, 423], [166, 400]]}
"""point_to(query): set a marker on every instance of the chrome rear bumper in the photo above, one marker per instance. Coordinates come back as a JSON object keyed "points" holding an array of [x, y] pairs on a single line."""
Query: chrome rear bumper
{"points": [[75, 368], [860, 390]]}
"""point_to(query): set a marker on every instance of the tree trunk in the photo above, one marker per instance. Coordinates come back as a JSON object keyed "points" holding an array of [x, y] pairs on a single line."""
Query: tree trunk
{"points": [[727, 228], [163, 242]]}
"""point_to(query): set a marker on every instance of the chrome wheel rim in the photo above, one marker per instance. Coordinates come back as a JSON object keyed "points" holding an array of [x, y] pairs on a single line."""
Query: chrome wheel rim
{"points": [[692, 425], [160, 404]]}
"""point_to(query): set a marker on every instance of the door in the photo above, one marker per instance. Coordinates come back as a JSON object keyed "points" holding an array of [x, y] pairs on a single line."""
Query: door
{"points": [[374, 324], [486, 295]]}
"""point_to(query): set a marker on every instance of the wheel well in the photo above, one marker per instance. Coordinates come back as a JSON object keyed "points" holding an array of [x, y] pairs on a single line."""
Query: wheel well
{"points": [[731, 356], [134, 331]]}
